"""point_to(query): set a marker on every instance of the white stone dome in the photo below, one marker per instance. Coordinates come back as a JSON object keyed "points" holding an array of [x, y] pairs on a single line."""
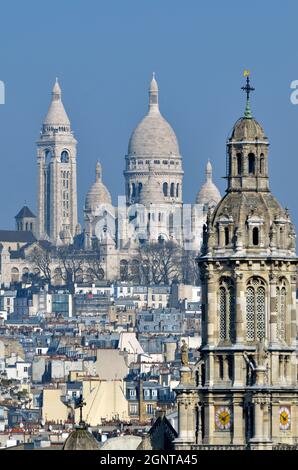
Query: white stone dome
{"points": [[153, 136], [209, 193], [56, 115], [98, 194]]}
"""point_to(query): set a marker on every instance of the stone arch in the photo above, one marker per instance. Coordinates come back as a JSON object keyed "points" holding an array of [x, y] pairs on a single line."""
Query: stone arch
{"points": [[124, 270], [15, 274]]}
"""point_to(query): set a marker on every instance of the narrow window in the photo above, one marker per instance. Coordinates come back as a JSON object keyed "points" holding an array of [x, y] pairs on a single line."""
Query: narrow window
{"points": [[165, 189], [239, 164], [227, 236], [172, 189], [251, 164], [261, 164], [255, 236]]}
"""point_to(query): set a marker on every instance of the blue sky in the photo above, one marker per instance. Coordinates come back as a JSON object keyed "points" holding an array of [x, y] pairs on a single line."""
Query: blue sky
{"points": [[104, 53]]}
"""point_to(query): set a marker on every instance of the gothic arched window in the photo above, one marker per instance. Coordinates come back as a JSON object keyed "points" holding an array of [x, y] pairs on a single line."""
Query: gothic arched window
{"points": [[172, 189], [133, 190], [177, 190], [226, 309], [281, 307], [140, 187], [165, 189], [251, 164], [255, 309]]}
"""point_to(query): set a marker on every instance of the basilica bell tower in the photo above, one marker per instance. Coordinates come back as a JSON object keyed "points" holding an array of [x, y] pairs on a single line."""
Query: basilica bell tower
{"points": [[57, 176], [242, 392]]}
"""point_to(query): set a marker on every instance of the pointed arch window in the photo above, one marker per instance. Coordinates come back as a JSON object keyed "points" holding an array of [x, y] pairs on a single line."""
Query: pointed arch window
{"points": [[255, 310], [172, 189], [226, 309]]}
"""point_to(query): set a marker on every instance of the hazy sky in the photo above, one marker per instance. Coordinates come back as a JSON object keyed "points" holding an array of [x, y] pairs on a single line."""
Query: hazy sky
{"points": [[104, 53]]}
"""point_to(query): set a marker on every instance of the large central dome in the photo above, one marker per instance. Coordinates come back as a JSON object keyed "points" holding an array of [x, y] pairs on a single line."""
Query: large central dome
{"points": [[153, 136]]}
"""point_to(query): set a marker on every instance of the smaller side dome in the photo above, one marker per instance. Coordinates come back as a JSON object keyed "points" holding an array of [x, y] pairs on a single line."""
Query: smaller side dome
{"points": [[209, 193], [81, 439], [98, 193]]}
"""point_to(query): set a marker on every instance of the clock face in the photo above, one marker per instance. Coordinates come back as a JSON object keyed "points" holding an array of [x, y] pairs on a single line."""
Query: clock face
{"points": [[223, 418], [284, 418]]}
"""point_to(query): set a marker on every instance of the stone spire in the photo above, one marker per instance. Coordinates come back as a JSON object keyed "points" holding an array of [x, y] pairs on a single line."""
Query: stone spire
{"points": [[153, 94], [98, 171], [208, 171], [56, 115]]}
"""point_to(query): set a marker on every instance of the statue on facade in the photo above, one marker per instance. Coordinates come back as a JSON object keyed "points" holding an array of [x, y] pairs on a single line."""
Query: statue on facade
{"points": [[261, 354], [184, 354]]}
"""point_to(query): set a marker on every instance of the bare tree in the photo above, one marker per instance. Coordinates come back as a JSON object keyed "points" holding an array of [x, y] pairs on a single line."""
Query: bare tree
{"points": [[41, 259], [94, 264], [160, 262], [71, 262]]}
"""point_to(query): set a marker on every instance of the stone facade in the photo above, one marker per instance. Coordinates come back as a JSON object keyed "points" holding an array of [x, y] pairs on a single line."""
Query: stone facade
{"points": [[242, 393]]}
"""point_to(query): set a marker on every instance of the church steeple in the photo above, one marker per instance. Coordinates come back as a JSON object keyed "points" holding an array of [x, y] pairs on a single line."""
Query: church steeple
{"points": [[247, 152], [57, 187]]}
